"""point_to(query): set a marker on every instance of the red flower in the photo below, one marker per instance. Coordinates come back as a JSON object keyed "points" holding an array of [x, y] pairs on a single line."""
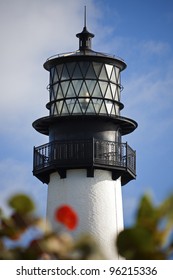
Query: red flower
{"points": [[67, 216]]}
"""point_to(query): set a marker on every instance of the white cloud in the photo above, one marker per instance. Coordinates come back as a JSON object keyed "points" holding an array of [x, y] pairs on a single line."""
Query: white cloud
{"points": [[31, 31], [148, 99], [155, 47]]}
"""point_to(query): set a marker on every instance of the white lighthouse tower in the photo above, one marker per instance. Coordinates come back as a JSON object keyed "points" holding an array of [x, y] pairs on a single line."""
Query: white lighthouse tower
{"points": [[85, 163]]}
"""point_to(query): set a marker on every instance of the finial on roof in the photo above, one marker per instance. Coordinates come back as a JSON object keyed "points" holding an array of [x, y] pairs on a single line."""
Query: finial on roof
{"points": [[85, 36], [85, 16]]}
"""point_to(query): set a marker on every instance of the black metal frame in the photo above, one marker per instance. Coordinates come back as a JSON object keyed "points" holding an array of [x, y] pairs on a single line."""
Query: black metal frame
{"points": [[91, 154], [65, 74]]}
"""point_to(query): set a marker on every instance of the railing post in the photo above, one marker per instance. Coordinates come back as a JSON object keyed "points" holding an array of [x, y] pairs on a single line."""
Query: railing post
{"points": [[126, 155], [134, 162], [34, 158]]}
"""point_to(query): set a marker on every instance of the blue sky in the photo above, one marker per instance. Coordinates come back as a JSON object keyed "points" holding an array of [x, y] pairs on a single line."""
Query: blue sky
{"points": [[138, 31]]}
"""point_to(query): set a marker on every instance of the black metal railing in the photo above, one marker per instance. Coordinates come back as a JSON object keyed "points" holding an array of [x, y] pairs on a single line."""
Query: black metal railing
{"points": [[66, 154], [115, 154]]}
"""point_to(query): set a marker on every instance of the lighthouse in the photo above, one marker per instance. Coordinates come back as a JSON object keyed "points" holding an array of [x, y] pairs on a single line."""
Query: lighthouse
{"points": [[85, 162]]}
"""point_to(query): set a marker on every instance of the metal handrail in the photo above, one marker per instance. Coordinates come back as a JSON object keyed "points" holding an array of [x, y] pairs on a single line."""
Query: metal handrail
{"points": [[90, 53], [85, 152]]}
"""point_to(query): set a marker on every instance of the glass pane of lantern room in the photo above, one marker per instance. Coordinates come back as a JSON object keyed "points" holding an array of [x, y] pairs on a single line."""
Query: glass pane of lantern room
{"points": [[64, 87], [83, 104], [117, 109], [59, 106], [77, 109], [70, 104], [64, 109], [108, 93], [113, 111], [113, 88], [55, 87], [77, 85], [70, 91], [90, 86], [117, 93], [97, 67], [103, 74], [97, 104], [52, 95], [59, 93], [55, 77], [51, 75], [103, 86], [83, 90], [108, 106], [65, 75], [77, 72], [70, 68], [90, 108], [103, 109], [117, 74], [97, 91], [109, 70], [84, 67], [90, 73], [113, 76], [59, 70]]}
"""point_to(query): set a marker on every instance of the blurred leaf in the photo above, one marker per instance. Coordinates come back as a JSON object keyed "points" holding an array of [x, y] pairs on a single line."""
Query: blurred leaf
{"points": [[166, 209], [148, 238], [137, 244], [86, 248], [21, 203], [51, 245], [1, 245], [131, 238], [20, 220], [147, 215], [41, 224], [1, 213], [7, 254], [9, 229]]}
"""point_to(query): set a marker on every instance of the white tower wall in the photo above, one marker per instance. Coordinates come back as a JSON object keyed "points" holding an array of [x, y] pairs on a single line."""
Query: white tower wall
{"points": [[97, 201]]}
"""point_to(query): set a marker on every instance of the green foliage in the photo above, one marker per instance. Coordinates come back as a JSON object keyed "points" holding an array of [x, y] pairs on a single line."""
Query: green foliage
{"points": [[21, 203], [150, 236], [48, 245]]}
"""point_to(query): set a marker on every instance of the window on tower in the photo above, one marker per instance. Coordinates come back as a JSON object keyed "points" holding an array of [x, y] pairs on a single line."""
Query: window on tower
{"points": [[85, 87]]}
